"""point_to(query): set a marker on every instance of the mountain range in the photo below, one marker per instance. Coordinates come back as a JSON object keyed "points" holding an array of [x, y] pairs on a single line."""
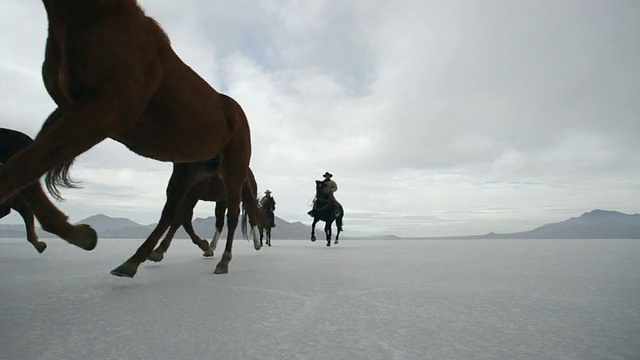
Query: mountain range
{"points": [[597, 224]]}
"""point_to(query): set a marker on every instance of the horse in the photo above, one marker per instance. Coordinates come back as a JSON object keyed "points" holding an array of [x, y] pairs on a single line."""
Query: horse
{"points": [[267, 209], [31, 200], [212, 189], [112, 72], [326, 211]]}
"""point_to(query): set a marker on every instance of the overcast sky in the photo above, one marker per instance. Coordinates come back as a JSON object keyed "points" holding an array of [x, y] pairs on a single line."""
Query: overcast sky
{"points": [[435, 117]]}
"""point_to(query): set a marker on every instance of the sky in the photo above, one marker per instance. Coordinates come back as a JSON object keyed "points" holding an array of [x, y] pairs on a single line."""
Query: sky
{"points": [[437, 118]]}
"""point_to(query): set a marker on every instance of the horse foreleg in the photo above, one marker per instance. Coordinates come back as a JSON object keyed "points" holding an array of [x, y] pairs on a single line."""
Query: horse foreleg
{"points": [[181, 180], [54, 221], [261, 230], [27, 215], [269, 237], [339, 226], [327, 231]]}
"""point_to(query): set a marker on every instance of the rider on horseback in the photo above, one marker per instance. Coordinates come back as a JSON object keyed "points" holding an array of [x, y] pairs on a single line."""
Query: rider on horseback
{"points": [[331, 187], [263, 202]]}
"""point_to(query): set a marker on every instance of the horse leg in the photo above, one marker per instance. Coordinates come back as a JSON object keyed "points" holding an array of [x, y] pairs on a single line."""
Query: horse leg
{"points": [[262, 230], [220, 209], [269, 237], [339, 226], [313, 229], [327, 231], [54, 221], [195, 239], [181, 180], [79, 128], [27, 215], [158, 254], [233, 181]]}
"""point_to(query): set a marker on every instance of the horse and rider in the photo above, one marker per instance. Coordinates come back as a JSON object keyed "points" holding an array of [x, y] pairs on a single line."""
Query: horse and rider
{"points": [[268, 206], [330, 188], [326, 208]]}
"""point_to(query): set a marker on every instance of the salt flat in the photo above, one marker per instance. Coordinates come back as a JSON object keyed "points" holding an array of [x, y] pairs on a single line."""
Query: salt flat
{"points": [[392, 299]]}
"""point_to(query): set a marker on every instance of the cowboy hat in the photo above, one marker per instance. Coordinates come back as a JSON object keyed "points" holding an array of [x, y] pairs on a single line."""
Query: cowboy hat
{"points": [[267, 191], [327, 174]]}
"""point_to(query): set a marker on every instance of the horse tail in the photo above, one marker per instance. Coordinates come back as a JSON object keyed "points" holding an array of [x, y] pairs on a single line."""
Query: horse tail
{"points": [[58, 176], [250, 208]]}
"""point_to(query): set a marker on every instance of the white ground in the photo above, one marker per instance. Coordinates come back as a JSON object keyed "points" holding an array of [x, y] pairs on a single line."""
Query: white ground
{"points": [[502, 299]]}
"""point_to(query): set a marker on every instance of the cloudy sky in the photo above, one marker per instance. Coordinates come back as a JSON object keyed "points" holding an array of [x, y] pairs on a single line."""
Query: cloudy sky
{"points": [[436, 117]]}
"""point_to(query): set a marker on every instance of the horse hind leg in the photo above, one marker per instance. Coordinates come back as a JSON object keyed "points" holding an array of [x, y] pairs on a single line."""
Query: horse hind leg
{"points": [[233, 182], [339, 226], [157, 255], [182, 178], [220, 209]]}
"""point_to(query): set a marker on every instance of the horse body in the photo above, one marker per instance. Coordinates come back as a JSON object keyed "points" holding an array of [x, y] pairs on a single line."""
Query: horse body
{"points": [[325, 210], [112, 72], [32, 200], [265, 227]]}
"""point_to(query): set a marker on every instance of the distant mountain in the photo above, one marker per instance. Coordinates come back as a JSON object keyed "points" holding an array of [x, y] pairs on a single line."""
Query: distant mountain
{"points": [[597, 224]]}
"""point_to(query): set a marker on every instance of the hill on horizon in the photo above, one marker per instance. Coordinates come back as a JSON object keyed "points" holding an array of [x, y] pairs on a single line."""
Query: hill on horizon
{"points": [[596, 224]]}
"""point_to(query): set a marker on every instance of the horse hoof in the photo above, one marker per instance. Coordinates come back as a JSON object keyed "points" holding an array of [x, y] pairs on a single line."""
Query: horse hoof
{"points": [[203, 245], [223, 265], [156, 256], [257, 246], [221, 269], [336, 242], [84, 237], [125, 270], [40, 247], [208, 253], [313, 238]]}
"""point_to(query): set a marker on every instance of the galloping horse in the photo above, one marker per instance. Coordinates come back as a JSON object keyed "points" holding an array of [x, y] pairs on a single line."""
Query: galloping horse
{"points": [[112, 72], [267, 209], [212, 189], [32, 200], [327, 212]]}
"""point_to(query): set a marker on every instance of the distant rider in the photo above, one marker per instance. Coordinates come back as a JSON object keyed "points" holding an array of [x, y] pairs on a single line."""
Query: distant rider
{"points": [[263, 203]]}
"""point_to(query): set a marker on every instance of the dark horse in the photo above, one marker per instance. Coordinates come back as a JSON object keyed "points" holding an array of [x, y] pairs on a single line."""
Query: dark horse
{"points": [[212, 189], [267, 209], [112, 73], [327, 211], [32, 199]]}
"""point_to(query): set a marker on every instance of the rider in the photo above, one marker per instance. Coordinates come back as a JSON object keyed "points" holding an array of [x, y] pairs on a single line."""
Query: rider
{"points": [[263, 203], [332, 187]]}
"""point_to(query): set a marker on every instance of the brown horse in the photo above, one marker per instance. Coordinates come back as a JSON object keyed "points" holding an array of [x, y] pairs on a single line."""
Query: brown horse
{"points": [[212, 189], [32, 200], [112, 72]]}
